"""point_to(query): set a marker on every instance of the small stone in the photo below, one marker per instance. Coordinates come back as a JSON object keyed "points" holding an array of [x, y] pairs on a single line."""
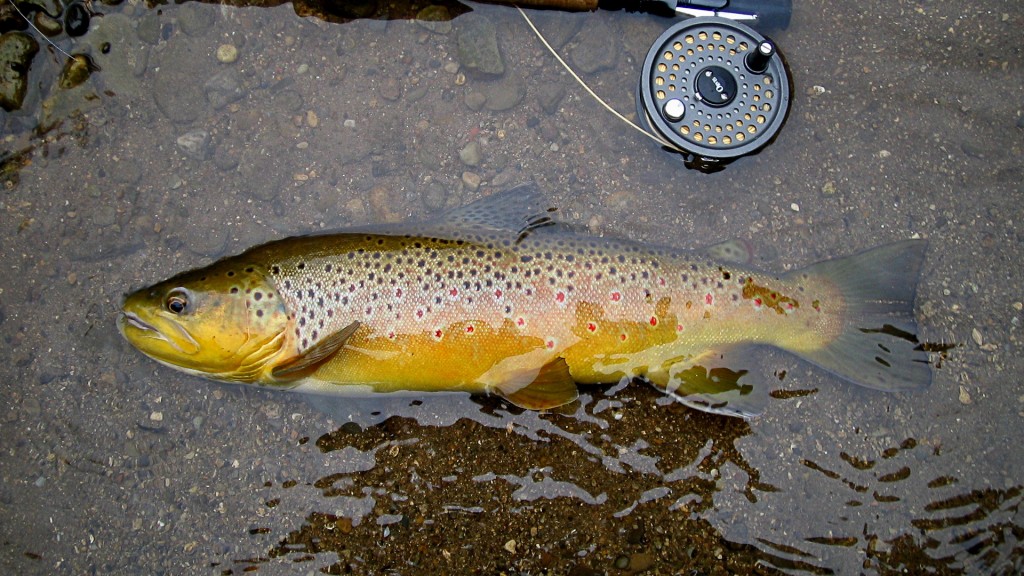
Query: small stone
{"points": [[965, 396], [475, 100], [195, 144], [470, 154], [224, 88], [391, 89], [16, 52], [435, 18], [72, 278], [816, 90], [829, 188], [622, 562], [451, 67], [1018, 306], [794, 207], [511, 546], [156, 416], [471, 180], [976, 336], [312, 119], [227, 53], [640, 562]]}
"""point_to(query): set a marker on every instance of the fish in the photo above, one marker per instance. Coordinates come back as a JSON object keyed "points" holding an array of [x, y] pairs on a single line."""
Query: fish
{"points": [[501, 296]]}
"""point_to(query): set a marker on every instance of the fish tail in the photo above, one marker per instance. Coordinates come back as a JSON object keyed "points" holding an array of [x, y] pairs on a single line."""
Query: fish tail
{"points": [[877, 346]]}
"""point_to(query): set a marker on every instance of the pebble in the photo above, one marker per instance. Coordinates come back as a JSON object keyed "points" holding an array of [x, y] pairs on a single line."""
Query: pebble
{"points": [[227, 53], [505, 94], [156, 416], [965, 396], [1018, 306], [435, 18], [470, 154], [223, 88], [976, 336], [511, 546], [72, 278], [794, 207], [195, 144], [312, 119], [471, 180]]}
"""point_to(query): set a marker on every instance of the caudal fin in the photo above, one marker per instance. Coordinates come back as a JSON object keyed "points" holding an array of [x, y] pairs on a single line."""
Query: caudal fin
{"points": [[878, 347]]}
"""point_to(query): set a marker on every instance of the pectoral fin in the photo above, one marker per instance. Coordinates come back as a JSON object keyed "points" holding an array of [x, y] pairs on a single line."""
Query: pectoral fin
{"points": [[550, 387], [316, 355]]}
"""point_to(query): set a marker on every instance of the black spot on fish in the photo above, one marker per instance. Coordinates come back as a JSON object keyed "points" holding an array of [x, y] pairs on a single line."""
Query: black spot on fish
{"points": [[259, 313]]}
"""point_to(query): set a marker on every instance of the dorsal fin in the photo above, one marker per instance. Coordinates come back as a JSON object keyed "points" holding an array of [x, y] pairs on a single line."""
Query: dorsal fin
{"points": [[518, 211], [315, 355]]}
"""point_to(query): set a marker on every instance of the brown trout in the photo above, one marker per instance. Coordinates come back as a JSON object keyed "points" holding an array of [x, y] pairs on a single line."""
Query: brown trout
{"points": [[498, 297]]}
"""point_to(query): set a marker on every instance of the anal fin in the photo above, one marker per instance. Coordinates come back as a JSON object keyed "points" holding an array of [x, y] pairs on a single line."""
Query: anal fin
{"points": [[722, 381], [551, 386]]}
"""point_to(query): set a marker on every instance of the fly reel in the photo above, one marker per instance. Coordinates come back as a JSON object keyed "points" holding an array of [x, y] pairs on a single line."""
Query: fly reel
{"points": [[714, 89]]}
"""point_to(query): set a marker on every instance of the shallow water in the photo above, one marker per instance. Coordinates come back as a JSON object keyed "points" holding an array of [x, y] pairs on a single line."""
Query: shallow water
{"points": [[169, 158]]}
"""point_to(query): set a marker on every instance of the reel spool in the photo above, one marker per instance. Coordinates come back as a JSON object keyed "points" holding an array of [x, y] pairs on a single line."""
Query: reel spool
{"points": [[714, 88]]}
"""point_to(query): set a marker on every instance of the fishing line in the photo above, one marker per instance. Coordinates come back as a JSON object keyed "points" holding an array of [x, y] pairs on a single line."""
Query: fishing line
{"points": [[601, 101], [38, 31]]}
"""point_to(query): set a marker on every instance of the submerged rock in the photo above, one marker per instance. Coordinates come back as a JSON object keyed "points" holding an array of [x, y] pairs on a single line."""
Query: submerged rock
{"points": [[16, 52], [478, 45]]}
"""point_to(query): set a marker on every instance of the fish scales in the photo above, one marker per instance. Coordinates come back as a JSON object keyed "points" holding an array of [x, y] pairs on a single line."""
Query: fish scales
{"points": [[529, 315]]}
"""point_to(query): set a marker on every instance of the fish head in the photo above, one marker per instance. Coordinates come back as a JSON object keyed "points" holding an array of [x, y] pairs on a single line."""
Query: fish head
{"points": [[225, 322]]}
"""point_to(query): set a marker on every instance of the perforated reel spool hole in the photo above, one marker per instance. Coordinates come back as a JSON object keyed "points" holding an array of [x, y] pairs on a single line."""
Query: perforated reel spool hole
{"points": [[713, 87]]}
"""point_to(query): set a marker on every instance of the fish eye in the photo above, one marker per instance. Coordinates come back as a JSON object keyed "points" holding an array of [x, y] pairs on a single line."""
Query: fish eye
{"points": [[177, 301]]}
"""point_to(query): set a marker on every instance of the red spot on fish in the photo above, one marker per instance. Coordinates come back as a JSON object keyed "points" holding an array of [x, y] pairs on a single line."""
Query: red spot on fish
{"points": [[469, 329], [391, 335], [622, 336], [654, 321], [709, 299], [550, 344], [679, 327], [616, 296], [438, 333], [591, 326], [398, 293], [520, 321], [419, 313], [661, 281], [497, 293], [757, 302], [560, 297], [453, 292]]}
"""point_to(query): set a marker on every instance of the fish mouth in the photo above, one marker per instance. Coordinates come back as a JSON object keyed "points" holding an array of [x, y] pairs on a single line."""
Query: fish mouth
{"points": [[130, 320]]}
